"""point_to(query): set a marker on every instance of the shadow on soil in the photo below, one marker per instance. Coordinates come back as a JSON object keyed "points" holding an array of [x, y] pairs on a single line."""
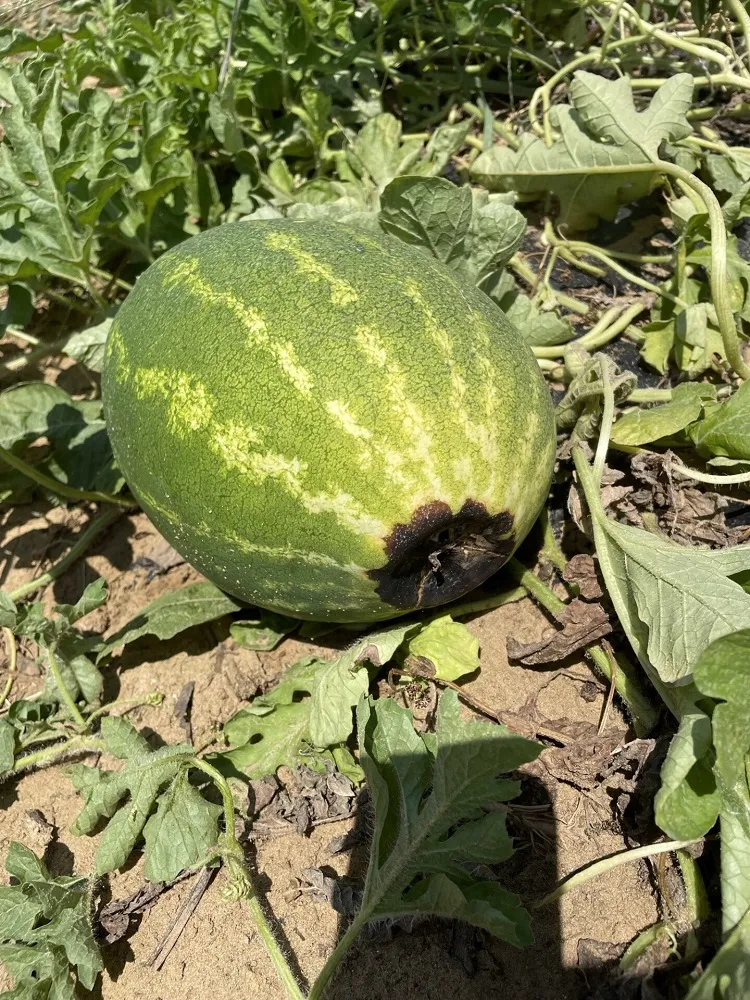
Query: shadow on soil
{"points": [[400, 959]]}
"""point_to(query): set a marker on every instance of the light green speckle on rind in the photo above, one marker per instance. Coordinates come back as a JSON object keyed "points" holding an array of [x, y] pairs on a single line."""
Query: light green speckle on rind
{"points": [[280, 396]]}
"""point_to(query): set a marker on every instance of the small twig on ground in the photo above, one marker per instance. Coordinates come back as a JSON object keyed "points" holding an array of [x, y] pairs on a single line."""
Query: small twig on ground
{"points": [[163, 950]]}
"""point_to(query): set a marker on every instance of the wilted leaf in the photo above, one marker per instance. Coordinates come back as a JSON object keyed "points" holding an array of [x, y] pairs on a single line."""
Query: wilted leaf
{"points": [[87, 347], [583, 624]]}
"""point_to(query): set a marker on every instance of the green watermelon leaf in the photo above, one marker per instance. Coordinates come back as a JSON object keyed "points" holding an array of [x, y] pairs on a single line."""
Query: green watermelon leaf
{"points": [[672, 600], [64, 644], [194, 604], [264, 632], [497, 231], [380, 151], [641, 426], [725, 430], [184, 827], [728, 974], [446, 647], [429, 827], [42, 150], [723, 673], [45, 930], [601, 129], [687, 803], [80, 454], [340, 683], [274, 730], [428, 212]]}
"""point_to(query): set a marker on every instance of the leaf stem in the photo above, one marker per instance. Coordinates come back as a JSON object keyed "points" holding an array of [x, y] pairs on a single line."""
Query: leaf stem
{"points": [[705, 477], [585, 874], [67, 697], [152, 698], [608, 417], [95, 529], [334, 959], [594, 339], [241, 884], [62, 489], [739, 12], [643, 713], [87, 744], [719, 279], [12, 649], [650, 396]]}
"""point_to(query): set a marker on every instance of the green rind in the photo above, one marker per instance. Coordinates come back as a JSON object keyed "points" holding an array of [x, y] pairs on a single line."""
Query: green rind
{"points": [[281, 394]]}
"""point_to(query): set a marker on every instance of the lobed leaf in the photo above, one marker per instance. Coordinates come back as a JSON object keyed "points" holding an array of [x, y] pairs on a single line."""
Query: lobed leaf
{"points": [[45, 930], [181, 831], [429, 797], [598, 138]]}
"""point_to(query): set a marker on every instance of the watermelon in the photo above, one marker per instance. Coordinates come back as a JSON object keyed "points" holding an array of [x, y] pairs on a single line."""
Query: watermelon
{"points": [[325, 422]]}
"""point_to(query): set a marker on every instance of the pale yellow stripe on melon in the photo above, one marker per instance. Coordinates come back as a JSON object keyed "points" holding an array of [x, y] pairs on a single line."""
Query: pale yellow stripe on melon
{"points": [[495, 414], [261, 467], [369, 448], [187, 275], [189, 404], [342, 293], [116, 351], [412, 419], [149, 500], [480, 435], [275, 552]]}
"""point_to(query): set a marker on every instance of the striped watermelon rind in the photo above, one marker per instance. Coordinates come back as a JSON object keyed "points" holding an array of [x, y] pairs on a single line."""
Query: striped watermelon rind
{"points": [[324, 422]]}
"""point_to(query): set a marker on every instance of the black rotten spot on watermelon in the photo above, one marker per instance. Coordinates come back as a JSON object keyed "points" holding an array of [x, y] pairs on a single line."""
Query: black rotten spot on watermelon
{"points": [[440, 555]]}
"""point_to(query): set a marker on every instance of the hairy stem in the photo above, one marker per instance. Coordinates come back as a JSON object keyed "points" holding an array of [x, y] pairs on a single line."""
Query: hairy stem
{"points": [[608, 417], [241, 883], [75, 552], [50, 755], [61, 489], [67, 697], [334, 959], [705, 477]]}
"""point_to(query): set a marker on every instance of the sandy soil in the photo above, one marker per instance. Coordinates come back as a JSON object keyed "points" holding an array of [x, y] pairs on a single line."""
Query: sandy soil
{"points": [[559, 826]]}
